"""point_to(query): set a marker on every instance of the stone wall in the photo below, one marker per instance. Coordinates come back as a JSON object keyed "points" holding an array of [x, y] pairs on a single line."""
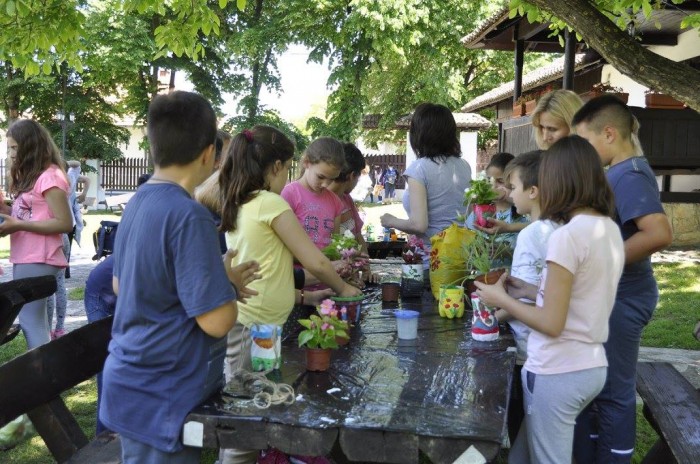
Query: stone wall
{"points": [[685, 222]]}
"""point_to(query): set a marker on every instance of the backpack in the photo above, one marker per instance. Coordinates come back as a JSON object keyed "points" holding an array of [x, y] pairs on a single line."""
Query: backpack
{"points": [[103, 239]]}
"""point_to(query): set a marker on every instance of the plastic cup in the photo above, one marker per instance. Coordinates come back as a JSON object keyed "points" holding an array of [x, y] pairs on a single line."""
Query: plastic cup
{"points": [[407, 324]]}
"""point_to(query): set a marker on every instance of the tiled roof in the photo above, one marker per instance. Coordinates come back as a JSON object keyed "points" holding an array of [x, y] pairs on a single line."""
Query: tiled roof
{"points": [[485, 27], [466, 121], [530, 81]]}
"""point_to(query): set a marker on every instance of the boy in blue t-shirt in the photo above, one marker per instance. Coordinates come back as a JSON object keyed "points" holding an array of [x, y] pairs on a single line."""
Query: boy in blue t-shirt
{"points": [[175, 299], [611, 128]]}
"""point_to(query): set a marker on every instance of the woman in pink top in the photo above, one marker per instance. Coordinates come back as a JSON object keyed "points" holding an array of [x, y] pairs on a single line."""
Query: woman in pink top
{"points": [[40, 214], [566, 365]]}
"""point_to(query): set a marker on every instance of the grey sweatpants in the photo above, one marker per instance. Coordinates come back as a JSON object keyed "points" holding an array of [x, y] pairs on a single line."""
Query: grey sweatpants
{"points": [[59, 300], [552, 403], [33, 317]]}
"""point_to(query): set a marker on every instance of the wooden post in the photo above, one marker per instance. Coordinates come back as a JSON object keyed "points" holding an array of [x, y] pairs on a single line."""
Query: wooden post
{"points": [[519, 55], [569, 59]]}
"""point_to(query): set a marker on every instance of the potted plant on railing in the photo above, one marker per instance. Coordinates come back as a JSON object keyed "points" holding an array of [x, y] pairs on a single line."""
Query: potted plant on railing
{"points": [[320, 335], [481, 195], [655, 99], [412, 269], [602, 88]]}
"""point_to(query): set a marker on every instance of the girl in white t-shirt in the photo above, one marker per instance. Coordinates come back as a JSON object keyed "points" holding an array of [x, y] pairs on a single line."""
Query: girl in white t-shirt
{"points": [[566, 365]]}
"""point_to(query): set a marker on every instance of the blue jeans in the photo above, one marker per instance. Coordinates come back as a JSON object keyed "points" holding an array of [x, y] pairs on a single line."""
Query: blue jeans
{"points": [[97, 308], [606, 429], [135, 452]]}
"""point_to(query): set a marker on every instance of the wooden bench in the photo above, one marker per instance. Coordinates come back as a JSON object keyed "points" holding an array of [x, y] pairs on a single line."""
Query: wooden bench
{"points": [[33, 382], [117, 201], [672, 407], [14, 294]]}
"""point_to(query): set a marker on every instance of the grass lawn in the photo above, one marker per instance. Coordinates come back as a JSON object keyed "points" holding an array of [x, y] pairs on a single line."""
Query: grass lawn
{"points": [[671, 327]]}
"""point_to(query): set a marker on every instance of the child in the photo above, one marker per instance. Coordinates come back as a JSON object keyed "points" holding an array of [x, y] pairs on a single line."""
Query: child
{"points": [[175, 298], [343, 185], [390, 177], [528, 262], [317, 208], [610, 127], [40, 215], [566, 364], [260, 224]]}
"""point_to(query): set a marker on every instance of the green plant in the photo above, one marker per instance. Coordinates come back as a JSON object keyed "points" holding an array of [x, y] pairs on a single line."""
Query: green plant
{"points": [[479, 192], [322, 328], [604, 87], [481, 252], [339, 243]]}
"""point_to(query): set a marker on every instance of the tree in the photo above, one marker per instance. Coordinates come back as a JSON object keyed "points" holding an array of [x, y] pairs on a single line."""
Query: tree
{"points": [[616, 46]]}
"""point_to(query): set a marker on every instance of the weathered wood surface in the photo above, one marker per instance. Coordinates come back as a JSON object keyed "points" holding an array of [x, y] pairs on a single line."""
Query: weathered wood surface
{"points": [[672, 406], [14, 294], [383, 399]]}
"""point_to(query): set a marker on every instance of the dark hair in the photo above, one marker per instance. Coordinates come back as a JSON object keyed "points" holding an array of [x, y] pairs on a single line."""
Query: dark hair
{"points": [[354, 162], [221, 138], [606, 110], [433, 132], [327, 150], [500, 161], [246, 165], [36, 151], [180, 126], [527, 166], [572, 177], [143, 178]]}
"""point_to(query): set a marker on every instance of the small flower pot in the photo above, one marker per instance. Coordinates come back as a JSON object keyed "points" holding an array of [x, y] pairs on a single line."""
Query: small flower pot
{"points": [[469, 286], [390, 291], [484, 322], [317, 359], [451, 302], [663, 101], [483, 212], [489, 278], [518, 110], [353, 305], [530, 106], [411, 280]]}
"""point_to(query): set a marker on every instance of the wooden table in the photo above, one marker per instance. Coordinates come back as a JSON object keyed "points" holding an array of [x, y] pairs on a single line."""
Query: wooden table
{"points": [[383, 399]]}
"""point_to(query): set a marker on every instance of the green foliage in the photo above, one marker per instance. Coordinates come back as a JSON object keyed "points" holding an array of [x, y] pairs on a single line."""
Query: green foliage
{"points": [[340, 242], [480, 192], [321, 329], [481, 252], [269, 118]]}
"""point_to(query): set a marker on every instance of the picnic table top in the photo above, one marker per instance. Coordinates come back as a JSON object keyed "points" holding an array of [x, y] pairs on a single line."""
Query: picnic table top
{"points": [[443, 387]]}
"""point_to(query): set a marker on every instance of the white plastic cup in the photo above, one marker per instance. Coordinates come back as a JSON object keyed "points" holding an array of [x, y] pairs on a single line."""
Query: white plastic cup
{"points": [[407, 324]]}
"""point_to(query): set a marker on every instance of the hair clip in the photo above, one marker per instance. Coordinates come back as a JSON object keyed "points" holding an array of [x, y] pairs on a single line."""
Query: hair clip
{"points": [[248, 135]]}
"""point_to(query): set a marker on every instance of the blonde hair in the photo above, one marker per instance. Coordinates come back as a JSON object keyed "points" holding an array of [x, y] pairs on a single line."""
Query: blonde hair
{"points": [[208, 193], [560, 104]]}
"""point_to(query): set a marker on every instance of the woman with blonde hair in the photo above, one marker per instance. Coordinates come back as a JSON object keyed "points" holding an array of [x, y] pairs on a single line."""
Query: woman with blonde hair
{"points": [[551, 120]]}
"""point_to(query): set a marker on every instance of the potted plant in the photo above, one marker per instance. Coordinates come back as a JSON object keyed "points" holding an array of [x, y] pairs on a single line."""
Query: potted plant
{"points": [[412, 269], [320, 335], [655, 99], [603, 87], [480, 254], [481, 195], [345, 248]]}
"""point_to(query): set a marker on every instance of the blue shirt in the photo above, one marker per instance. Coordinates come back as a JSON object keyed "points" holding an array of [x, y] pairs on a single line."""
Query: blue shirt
{"points": [[636, 194], [99, 282], [161, 364]]}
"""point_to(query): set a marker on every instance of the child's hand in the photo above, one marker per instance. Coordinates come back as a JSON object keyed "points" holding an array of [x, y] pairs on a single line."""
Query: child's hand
{"points": [[349, 290], [387, 220], [315, 298], [241, 275], [492, 295], [493, 226], [518, 288], [8, 225]]}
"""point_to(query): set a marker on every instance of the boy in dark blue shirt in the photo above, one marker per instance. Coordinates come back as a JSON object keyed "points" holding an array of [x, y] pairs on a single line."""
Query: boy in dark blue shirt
{"points": [[611, 128], [175, 298]]}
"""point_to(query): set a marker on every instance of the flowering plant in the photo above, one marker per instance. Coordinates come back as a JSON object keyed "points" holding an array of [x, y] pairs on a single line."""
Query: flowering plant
{"points": [[413, 251], [346, 249], [480, 192], [322, 328]]}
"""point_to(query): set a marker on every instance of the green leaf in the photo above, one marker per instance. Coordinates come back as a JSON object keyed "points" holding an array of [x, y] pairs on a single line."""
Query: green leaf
{"points": [[304, 337], [241, 4], [223, 3], [646, 8], [10, 7]]}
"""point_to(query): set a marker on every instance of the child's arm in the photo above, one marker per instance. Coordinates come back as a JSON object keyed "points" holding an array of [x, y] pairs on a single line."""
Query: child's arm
{"points": [[654, 234], [417, 222], [288, 229], [548, 319], [86, 186], [217, 322], [62, 222], [496, 226]]}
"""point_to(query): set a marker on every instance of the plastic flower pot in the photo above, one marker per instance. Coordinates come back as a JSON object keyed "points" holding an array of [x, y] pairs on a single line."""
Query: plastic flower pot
{"points": [[390, 291], [451, 302], [484, 322], [353, 304], [483, 212], [318, 359], [407, 324], [489, 278]]}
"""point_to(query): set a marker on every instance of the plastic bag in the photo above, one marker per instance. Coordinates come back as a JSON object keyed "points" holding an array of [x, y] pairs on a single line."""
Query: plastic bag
{"points": [[448, 262], [16, 432]]}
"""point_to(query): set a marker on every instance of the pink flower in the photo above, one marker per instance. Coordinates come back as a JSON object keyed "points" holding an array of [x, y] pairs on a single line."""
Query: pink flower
{"points": [[325, 326], [343, 310], [326, 307], [334, 313]]}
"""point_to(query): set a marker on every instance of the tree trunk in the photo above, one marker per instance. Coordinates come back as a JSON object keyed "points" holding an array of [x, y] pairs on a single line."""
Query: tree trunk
{"points": [[624, 53]]}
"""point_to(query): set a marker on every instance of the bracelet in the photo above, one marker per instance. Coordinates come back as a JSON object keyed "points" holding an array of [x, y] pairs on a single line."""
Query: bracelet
{"points": [[301, 293]]}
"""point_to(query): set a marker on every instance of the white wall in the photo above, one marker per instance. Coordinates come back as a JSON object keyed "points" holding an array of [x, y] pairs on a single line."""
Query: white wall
{"points": [[467, 141]]}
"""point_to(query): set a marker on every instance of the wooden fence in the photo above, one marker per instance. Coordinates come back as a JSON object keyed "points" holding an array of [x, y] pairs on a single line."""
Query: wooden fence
{"points": [[122, 175], [384, 161]]}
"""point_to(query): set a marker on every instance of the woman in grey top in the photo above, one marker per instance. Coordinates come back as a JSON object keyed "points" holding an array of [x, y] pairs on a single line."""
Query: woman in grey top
{"points": [[436, 180]]}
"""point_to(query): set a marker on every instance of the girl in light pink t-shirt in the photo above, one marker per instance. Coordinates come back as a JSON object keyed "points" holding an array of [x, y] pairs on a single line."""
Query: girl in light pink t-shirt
{"points": [[566, 365], [40, 214], [317, 208]]}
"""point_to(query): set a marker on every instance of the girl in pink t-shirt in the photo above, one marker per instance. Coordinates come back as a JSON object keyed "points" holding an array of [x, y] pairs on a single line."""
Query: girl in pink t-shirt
{"points": [[566, 365], [317, 208], [40, 214]]}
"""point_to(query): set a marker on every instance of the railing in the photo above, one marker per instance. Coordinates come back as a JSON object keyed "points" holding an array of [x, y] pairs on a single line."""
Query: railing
{"points": [[123, 174]]}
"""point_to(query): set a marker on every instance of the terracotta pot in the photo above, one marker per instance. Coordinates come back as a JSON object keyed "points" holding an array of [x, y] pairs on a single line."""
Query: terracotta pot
{"points": [[663, 101], [623, 96], [317, 359], [390, 291], [469, 286], [484, 212], [530, 106], [518, 110], [489, 278]]}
